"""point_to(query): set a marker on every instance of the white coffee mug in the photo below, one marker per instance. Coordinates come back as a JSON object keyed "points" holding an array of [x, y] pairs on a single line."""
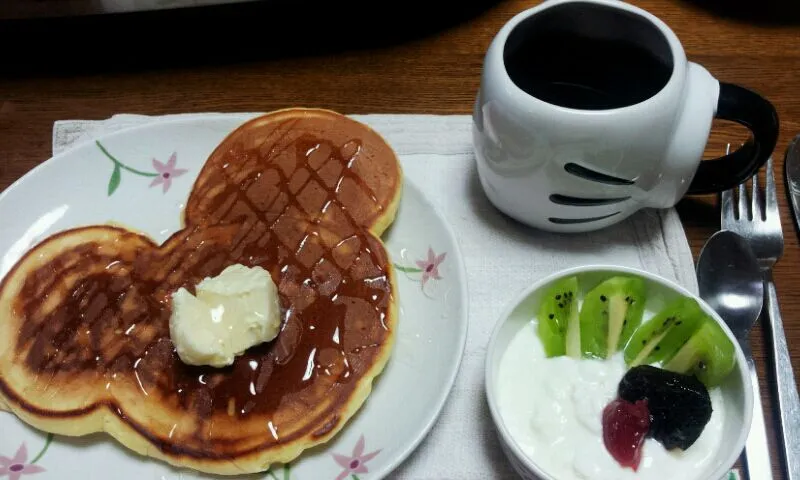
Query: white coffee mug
{"points": [[588, 111]]}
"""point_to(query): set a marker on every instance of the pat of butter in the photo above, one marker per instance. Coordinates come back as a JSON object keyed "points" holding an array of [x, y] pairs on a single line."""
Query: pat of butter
{"points": [[231, 312]]}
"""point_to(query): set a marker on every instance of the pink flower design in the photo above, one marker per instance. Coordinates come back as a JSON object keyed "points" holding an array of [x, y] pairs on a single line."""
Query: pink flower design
{"points": [[166, 172], [16, 467], [356, 462], [430, 267]]}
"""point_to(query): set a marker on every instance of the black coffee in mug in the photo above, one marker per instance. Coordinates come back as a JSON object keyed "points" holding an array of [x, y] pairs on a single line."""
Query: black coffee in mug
{"points": [[588, 57]]}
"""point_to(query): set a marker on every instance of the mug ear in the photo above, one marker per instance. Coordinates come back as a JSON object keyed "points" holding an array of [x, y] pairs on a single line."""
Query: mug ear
{"points": [[56, 343], [273, 157], [759, 116]]}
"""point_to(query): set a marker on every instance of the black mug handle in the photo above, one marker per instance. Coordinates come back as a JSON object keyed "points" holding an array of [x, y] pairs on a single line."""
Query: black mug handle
{"points": [[759, 116]]}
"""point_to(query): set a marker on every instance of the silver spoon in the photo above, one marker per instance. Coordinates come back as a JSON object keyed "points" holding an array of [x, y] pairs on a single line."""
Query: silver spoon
{"points": [[730, 282]]}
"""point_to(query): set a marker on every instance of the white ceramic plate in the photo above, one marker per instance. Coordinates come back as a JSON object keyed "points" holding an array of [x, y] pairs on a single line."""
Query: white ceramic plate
{"points": [[125, 185]]}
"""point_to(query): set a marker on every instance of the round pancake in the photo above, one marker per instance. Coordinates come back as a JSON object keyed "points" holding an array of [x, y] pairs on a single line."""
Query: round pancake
{"points": [[84, 315]]}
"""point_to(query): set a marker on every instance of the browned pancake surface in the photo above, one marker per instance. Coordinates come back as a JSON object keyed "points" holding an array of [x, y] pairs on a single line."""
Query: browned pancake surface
{"points": [[302, 193]]}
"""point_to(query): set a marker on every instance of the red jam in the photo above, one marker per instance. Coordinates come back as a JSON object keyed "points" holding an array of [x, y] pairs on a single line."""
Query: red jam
{"points": [[625, 426]]}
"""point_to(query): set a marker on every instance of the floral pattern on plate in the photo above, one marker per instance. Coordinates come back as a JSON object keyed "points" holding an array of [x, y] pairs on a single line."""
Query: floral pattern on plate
{"points": [[17, 466], [163, 175], [424, 270], [356, 462]]}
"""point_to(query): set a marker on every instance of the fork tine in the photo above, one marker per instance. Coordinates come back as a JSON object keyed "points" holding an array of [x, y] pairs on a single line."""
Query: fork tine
{"points": [[770, 197], [727, 214], [727, 210], [756, 210], [744, 210]]}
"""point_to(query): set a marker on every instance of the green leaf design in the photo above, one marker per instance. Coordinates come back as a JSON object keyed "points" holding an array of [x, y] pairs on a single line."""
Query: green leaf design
{"points": [[287, 473], [119, 164], [41, 453], [407, 269], [113, 182], [355, 477]]}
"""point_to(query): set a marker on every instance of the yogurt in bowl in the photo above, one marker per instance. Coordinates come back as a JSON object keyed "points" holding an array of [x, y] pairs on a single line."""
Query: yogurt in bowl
{"points": [[549, 410]]}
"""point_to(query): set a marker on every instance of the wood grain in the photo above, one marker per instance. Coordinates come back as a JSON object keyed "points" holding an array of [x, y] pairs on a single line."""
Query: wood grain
{"points": [[363, 57]]}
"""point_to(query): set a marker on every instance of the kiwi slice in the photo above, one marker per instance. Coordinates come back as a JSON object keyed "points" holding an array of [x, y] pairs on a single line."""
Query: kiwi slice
{"points": [[663, 335], [708, 354], [609, 315], [558, 319]]}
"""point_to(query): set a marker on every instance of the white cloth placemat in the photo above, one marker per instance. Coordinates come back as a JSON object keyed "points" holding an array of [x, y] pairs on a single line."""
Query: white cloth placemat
{"points": [[501, 258]]}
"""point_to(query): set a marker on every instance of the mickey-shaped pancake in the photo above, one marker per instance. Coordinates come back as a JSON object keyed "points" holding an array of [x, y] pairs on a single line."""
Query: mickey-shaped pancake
{"points": [[84, 315]]}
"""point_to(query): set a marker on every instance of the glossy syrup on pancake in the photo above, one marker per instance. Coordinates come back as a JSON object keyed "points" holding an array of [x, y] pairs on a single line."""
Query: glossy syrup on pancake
{"points": [[302, 198]]}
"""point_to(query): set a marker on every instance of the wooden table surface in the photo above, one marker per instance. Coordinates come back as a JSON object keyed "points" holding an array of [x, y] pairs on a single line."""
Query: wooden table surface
{"points": [[362, 57]]}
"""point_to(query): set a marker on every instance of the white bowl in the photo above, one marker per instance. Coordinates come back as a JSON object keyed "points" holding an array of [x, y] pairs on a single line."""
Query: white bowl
{"points": [[736, 389]]}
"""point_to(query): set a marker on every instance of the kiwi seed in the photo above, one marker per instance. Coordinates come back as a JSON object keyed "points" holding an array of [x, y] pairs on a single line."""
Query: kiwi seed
{"points": [[602, 298], [551, 316], [558, 297]]}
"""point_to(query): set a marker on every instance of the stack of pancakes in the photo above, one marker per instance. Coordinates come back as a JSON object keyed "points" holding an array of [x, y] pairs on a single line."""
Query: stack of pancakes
{"points": [[84, 315]]}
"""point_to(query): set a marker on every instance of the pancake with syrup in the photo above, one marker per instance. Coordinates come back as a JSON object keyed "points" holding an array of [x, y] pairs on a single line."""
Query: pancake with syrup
{"points": [[84, 315]]}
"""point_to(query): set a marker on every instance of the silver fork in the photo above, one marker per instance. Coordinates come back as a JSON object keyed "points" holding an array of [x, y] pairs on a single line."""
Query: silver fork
{"points": [[758, 221]]}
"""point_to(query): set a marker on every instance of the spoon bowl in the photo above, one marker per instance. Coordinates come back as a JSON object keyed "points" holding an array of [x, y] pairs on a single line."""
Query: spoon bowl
{"points": [[730, 282]]}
